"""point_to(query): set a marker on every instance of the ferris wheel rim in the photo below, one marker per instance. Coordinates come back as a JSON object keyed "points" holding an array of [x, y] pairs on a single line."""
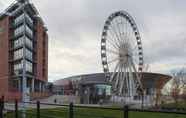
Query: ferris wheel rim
{"points": [[133, 25]]}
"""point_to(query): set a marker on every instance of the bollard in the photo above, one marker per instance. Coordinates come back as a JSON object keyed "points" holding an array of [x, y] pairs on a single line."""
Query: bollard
{"points": [[1, 108], [126, 110], [38, 109], [16, 108], [71, 113], [3, 101]]}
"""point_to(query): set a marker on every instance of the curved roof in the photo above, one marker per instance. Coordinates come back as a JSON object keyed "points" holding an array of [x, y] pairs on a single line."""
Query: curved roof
{"points": [[149, 79]]}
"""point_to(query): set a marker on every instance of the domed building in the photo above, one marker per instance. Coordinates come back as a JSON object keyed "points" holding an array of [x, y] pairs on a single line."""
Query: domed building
{"points": [[91, 88]]}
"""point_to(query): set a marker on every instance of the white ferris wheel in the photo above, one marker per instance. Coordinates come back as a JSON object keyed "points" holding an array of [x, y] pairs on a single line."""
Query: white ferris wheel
{"points": [[122, 54]]}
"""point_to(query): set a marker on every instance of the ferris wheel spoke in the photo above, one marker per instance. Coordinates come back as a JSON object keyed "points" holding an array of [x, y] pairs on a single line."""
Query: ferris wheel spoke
{"points": [[112, 32], [116, 29], [120, 23], [127, 82], [123, 37], [127, 38], [113, 44], [122, 28], [124, 76], [126, 33], [112, 51], [114, 38], [135, 59], [115, 32], [133, 42], [135, 47], [131, 36], [118, 78], [114, 72], [122, 79], [126, 29], [113, 60], [137, 77], [123, 33], [119, 30], [132, 77]]}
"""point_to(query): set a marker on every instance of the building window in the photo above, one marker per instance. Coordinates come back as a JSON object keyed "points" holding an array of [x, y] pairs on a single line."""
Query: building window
{"points": [[18, 67], [29, 19], [28, 66], [30, 32], [19, 30], [18, 54], [103, 89], [28, 54], [29, 43], [19, 19], [18, 42]]}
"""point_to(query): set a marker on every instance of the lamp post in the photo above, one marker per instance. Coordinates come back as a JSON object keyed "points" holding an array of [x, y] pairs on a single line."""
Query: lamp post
{"points": [[24, 78]]}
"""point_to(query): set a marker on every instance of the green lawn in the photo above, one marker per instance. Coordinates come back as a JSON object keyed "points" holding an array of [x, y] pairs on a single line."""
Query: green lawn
{"points": [[94, 113]]}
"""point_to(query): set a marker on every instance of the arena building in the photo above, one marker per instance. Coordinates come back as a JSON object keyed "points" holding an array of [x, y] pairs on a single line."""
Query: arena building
{"points": [[91, 88]]}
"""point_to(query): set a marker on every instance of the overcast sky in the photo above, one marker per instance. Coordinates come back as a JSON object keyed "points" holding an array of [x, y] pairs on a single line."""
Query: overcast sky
{"points": [[75, 26]]}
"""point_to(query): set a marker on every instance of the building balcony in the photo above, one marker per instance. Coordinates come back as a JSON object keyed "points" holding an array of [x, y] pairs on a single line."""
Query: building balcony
{"points": [[16, 47], [17, 36], [15, 60], [29, 23], [17, 24], [28, 35]]}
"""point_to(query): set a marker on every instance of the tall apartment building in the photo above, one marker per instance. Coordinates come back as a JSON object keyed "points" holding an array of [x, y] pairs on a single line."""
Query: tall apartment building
{"points": [[23, 50]]}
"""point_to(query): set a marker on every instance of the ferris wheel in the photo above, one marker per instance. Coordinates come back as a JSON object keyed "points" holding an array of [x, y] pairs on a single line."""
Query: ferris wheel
{"points": [[122, 54]]}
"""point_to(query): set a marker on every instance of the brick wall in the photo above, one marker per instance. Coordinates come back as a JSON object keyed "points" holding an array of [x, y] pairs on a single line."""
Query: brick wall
{"points": [[41, 52], [4, 54]]}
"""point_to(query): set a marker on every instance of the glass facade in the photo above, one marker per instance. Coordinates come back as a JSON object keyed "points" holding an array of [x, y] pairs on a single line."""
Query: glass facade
{"points": [[19, 30], [19, 19], [24, 43], [28, 66], [28, 54], [29, 31], [18, 66], [29, 42], [29, 19], [103, 89], [18, 54], [18, 42]]}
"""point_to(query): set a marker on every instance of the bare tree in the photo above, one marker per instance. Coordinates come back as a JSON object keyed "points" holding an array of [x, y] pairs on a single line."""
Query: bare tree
{"points": [[183, 84], [178, 86]]}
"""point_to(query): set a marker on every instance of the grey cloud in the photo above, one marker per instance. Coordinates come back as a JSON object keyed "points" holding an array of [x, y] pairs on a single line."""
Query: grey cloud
{"points": [[82, 19], [75, 28]]}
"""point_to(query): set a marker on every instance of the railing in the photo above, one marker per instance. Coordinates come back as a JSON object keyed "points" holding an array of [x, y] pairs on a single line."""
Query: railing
{"points": [[77, 111]]}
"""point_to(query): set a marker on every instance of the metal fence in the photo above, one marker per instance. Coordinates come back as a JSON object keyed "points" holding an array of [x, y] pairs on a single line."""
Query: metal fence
{"points": [[46, 110]]}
